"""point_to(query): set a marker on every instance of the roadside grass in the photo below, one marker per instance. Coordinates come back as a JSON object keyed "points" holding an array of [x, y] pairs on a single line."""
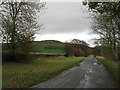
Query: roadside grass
{"points": [[111, 66], [22, 75]]}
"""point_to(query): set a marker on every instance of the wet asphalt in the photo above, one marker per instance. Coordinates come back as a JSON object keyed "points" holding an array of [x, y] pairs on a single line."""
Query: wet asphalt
{"points": [[89, 74]]}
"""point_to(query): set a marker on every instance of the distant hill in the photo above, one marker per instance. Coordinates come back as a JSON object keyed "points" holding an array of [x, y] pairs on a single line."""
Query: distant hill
{"points": [[49, 47], [48, 41]]}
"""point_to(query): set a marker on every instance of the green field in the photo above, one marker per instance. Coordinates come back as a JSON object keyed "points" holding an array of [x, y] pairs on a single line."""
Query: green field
{"points": [[112, 67], [21, 75], [49, 47]]}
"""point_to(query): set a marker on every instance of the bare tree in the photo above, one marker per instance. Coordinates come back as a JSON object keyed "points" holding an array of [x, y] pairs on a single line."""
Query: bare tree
{"points": [[107, 30]]}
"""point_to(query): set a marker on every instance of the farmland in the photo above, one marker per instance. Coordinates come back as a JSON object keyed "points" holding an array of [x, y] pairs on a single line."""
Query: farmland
{"points": [[49, 47]]}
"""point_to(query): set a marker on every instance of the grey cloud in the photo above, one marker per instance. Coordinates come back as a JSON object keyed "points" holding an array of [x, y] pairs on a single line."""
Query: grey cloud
{"points": [[64, 18]]}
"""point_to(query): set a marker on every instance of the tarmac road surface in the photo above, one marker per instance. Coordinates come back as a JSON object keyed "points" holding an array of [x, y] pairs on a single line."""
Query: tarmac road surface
{"points": [[90, 74]]}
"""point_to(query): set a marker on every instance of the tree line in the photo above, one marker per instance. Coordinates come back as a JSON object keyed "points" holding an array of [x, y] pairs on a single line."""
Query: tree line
{"points": [[78, 48]]}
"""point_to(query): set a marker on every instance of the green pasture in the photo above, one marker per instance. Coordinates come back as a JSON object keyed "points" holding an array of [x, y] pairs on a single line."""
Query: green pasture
{"points": [[49, 47]]}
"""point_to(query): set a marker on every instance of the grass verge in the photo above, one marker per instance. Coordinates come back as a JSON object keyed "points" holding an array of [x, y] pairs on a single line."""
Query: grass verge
{"points": [[20, 75], [112, 67]]}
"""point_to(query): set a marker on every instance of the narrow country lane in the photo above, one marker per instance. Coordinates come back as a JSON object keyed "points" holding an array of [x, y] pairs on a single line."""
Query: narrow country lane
{"points": [[90, 74]]}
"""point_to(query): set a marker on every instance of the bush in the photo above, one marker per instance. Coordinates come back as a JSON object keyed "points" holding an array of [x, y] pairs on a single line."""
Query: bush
{"points": [[21, 53], [16, 58]]}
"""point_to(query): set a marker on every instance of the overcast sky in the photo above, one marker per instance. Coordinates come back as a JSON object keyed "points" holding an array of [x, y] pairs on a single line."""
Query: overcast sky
{"points": [[65, 21]]}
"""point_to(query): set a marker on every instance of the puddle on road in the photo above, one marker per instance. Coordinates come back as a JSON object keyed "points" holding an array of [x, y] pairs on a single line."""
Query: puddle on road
{"points": [[85, 80], [95, 63], [90, 71], [98, 64], [73, 68]]}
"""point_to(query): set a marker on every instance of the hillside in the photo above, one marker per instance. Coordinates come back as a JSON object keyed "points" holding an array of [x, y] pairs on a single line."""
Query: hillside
{"points": [[48, 47]]}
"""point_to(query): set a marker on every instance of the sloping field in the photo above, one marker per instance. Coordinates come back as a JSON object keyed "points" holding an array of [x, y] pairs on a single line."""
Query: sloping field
{"points": [[49, 47]]}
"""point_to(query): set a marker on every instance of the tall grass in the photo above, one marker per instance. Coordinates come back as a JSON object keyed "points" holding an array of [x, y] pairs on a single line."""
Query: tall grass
{"points": [[20, 75]]}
